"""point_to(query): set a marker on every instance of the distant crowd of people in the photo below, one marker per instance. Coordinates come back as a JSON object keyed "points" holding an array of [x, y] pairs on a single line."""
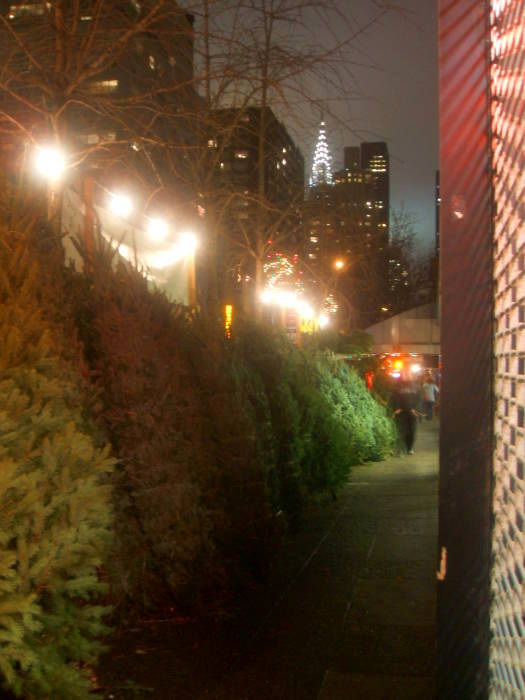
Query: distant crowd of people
{"points": [[413, 401]]}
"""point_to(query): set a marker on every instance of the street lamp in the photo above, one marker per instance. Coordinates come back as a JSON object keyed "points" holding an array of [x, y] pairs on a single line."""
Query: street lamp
{"points": [[157, 229], [120, 205], [339, 264], [188, 243], [323, 321], [50, 164]]}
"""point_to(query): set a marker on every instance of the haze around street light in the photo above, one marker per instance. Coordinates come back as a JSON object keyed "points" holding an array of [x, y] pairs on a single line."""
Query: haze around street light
{"points": [[120, 205], [50, 163]]}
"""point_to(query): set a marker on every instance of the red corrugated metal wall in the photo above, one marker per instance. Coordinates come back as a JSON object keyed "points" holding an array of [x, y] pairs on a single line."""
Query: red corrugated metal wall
{"points": [[466, 342]]}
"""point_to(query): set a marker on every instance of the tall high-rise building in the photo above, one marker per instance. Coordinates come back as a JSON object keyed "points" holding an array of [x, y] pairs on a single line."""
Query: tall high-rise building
{"points": [[256, 184], [322, 160], [346, 220], [376, 167]]}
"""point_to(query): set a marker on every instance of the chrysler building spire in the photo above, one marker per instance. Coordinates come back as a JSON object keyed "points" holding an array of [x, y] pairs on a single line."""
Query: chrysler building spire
{"points": [[322, 162]]}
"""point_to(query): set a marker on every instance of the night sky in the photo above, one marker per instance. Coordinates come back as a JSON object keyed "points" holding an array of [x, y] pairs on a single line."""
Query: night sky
{"points": [[396, 101], [387, 91]]}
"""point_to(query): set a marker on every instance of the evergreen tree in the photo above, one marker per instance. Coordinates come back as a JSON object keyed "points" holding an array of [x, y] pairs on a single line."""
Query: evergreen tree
{"points": [[55, 514]]}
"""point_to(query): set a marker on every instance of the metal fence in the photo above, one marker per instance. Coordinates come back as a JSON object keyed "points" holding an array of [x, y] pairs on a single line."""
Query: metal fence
{"points": [[507, 613]]}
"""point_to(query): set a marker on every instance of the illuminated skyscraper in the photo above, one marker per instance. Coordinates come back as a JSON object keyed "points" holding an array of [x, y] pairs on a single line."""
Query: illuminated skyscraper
{"points": [[346, 218], [322, 162], [375, 166]]}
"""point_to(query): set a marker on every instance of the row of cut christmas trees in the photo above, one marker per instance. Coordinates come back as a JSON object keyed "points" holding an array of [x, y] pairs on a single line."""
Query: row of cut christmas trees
{"points": [[144, 455]]}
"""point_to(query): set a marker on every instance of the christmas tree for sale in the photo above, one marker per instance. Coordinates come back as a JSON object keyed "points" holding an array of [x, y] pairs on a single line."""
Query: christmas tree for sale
{"points": [[55, 515]]}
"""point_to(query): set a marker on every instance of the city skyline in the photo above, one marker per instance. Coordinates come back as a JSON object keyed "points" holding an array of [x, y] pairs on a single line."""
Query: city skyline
{"points": [[395, 101]]}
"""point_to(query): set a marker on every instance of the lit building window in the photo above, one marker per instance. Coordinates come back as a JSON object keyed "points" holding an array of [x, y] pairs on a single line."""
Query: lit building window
{"points": [[212, 143], [172, 61], [93, 139], [151, 61], [102, 87], [314, 239], [90, 139], [241, 155], [27, 10]]}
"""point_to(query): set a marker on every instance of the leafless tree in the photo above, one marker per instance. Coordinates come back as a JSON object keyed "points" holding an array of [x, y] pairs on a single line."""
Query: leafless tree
{"points": [[113, 81], [271, 55]]}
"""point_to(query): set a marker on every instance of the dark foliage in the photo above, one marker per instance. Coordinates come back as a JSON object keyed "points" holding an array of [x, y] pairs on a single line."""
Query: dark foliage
{"points": [[190, 495]]}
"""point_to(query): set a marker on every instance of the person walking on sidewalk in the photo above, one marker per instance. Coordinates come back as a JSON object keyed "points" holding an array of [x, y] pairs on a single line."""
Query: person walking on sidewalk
{"points": [[430, 393], [404, 402]]}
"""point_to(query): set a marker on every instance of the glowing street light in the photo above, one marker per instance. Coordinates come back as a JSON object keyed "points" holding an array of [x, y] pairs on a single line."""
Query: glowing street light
{"points": [[304, 309], [120, 205], [157, 229], [187, 243], [279, 297], [339, 264], [323, 321], [50, 163]]}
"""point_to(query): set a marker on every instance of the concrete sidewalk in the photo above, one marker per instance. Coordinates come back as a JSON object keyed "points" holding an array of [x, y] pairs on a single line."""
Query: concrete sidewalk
{"points": [[348, 613], [387, 646]]}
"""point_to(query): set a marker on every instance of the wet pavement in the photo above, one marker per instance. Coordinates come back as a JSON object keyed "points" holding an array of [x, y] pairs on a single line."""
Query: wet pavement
{"points": [[349, 612]]}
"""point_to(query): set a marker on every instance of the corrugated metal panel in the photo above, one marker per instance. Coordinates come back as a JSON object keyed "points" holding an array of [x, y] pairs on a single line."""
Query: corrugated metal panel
{"points": [[466, 343], [507, 615]]}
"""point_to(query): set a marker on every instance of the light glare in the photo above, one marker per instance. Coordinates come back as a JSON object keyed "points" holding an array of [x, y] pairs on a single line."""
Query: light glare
{"points": [[157, 229], [187, 243], [304, 309], [120, 205], [50, 163]]}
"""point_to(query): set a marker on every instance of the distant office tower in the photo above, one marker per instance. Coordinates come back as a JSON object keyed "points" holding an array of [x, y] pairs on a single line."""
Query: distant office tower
{"points": [[346, 220], [322, 160], [251, 200], [376, 167]]}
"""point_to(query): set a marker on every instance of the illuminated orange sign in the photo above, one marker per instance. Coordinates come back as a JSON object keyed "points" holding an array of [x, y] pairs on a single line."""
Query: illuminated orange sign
{"points": [[228, 318]]}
